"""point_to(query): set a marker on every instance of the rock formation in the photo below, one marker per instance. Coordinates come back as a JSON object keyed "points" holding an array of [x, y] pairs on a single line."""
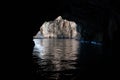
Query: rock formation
{"points": [[59, 28]]}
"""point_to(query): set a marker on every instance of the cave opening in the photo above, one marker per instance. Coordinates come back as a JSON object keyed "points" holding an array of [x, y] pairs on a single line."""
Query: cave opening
{"points": [[83, 31], [67, 59], [54, 54]]}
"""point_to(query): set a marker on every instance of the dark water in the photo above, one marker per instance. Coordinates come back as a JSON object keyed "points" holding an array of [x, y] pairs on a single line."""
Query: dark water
{"points": [[65, 59]]}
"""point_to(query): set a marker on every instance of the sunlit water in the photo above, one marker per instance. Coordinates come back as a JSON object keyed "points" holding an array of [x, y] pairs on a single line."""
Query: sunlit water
{"points": [[59, 59]]}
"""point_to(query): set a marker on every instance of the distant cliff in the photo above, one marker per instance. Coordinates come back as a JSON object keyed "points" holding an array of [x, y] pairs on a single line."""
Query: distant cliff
{"points": [[59, 28]]}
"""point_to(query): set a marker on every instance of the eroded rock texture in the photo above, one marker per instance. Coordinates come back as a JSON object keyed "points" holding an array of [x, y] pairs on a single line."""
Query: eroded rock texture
{"points": [[59, 28]]}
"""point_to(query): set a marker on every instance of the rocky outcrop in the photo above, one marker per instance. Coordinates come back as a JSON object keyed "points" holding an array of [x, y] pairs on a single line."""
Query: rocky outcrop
{"points": [[59, 28]]}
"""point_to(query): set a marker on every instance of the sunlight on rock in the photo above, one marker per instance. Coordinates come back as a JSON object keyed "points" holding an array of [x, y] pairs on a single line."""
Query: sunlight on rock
{"points": [[59, 28]]}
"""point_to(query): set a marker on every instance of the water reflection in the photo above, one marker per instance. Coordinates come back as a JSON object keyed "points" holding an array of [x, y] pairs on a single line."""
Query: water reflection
{"points": [[66, 59], [56, 54]]}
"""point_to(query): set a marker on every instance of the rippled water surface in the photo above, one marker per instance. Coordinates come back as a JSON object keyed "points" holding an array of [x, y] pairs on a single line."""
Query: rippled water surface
{"points": [[63, 59]]}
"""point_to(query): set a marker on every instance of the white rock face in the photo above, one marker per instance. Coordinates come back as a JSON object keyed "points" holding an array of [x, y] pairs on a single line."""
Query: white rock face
{"points": [[59, 28]]}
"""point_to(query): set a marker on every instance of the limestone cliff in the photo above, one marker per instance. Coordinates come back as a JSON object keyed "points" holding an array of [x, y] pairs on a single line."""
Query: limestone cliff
{"points": [[59, 28]]}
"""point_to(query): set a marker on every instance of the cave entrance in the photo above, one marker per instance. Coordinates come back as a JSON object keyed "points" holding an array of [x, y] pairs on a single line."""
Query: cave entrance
{"points": [[58, 28], [63, 28]]}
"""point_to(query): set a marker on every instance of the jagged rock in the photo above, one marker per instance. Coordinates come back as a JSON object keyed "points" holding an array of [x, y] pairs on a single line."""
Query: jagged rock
{"points": [[59, 28]]}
